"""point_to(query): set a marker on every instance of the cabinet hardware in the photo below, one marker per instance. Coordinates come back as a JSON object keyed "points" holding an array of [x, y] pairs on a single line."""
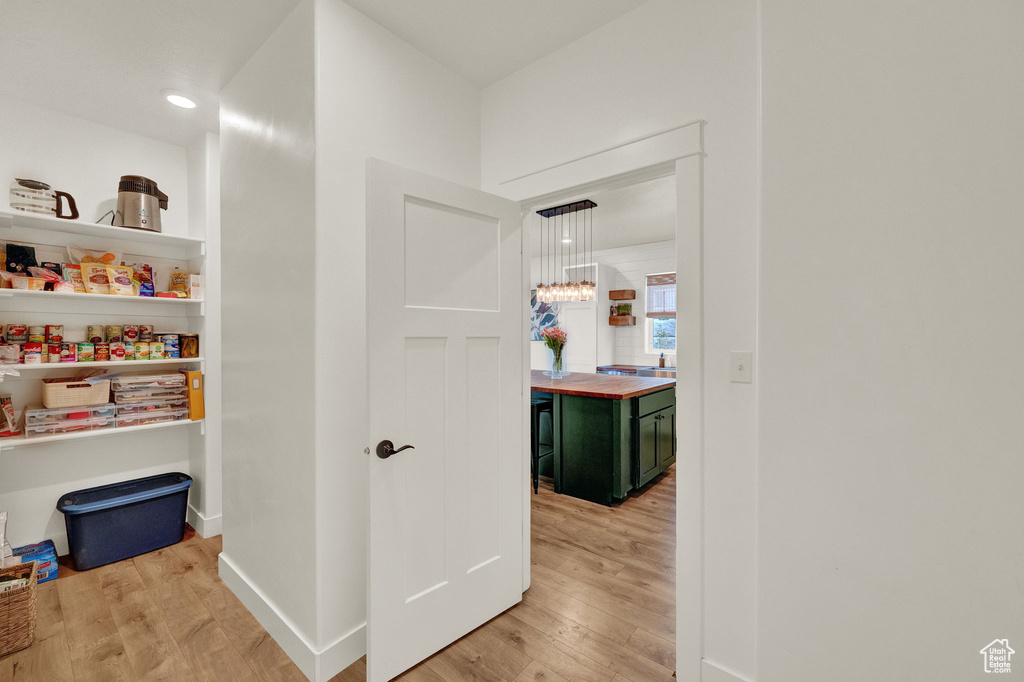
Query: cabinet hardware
{"points": [[386, 448]]}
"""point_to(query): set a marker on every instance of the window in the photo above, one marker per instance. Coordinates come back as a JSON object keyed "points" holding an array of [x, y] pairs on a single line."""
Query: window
{"points": [[660, 305]]}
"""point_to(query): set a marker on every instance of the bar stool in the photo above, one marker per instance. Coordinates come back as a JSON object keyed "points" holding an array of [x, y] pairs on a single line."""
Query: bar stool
{"points": [[538, 406]]}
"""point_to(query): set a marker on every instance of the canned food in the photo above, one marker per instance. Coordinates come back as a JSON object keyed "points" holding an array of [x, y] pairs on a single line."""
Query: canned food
{"points": [[102, 352], [130, 333], [17, 333], [146, 332], [54, 333], [114, 333], [33, 353], [69, 352], [97, 334], [141, 351], [172, 345], [156, 351], [117, 351], [37, 334], [54, 349], [86, 352], [190, 345], [129, 351]]}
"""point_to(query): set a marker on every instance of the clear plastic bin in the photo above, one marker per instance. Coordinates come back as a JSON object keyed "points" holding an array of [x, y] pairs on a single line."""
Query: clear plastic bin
{"points": [[69, 426], [152, 417], [132, 381], [42, 415], [136, 395], [151, 405]]}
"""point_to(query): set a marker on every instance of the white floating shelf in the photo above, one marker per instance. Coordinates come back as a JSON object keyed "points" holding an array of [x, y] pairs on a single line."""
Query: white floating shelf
{"points": [[109, 298], [19, 441], [125, 364], [34, 221]]}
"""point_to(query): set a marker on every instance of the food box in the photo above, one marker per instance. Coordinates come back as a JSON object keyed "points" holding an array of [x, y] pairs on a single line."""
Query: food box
{"points": [[45, 554]]}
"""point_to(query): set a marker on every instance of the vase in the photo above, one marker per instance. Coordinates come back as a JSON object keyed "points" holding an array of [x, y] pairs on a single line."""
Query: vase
{"points": [[557, 369]]}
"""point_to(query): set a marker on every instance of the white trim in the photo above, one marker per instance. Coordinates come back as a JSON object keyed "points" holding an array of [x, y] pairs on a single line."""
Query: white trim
{"points": [[679, 152], [207, 527], [709, 672], [318, 666]]}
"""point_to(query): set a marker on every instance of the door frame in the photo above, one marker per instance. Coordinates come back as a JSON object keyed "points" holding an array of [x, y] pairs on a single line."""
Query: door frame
{"points": [[678, 152]]}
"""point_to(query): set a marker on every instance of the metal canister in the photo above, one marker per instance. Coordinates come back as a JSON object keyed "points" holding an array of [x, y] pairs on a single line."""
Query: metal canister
{"points": [[114, 333], [54, 349], [130, 333], [96, 334], [190, 345], [146, 332], [102, 352], [156, 351], [33, 353], [69, 352], [117, 351], [172, 344], [17, 333], [129, 351], [54, 333], [37, 334], [141, 351], [86, 352]]}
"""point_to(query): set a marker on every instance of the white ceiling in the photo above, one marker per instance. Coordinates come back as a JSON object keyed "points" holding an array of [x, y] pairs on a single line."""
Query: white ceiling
{"points": [[638, 214], [108, 60], [486, 40]]}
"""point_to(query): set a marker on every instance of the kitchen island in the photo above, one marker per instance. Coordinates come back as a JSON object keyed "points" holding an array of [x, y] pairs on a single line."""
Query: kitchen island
{"points": [[611, 434]]}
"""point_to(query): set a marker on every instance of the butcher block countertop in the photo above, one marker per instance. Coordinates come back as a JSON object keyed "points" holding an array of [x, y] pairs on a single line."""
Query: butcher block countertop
{"points": [[613, 387]]}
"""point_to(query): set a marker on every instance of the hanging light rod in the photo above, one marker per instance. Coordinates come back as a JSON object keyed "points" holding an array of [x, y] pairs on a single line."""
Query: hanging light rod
{"points": [[567, 208]]}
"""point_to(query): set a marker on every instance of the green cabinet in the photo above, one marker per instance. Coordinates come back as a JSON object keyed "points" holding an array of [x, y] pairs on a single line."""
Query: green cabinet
{"points": [[655, 445]]}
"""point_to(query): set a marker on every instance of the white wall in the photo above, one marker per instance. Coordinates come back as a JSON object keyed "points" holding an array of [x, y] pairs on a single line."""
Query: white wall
{"points": [[87, 160], [628, 267], [377, 97], [891, 317], [267, 177], [667, 63]]}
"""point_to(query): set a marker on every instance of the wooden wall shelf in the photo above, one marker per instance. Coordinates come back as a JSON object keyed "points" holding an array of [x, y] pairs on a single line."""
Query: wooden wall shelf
{"points": [[622, 294], [622, 320]]}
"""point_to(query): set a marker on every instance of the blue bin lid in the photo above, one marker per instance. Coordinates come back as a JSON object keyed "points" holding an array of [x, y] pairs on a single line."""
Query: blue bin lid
{"points": [[120, 494]]}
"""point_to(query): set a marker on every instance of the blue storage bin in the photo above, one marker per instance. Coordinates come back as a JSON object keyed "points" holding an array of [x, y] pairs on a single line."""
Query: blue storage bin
{"points": [[118, 521]]}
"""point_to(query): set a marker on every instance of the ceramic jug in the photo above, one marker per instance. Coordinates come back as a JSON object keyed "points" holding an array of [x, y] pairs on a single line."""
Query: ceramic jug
{"points": [[37, 197]]}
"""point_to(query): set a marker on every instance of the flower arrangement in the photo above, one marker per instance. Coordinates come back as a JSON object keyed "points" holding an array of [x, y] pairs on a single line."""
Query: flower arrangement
{"points": [[555, 338]]}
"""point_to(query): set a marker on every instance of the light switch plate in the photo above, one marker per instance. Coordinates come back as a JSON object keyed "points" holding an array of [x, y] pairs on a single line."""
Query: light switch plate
{"points": [[742, 368]]}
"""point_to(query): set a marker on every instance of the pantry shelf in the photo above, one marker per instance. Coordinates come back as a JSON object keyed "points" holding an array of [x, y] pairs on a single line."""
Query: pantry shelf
{"points": [[20, 441], [32, 221], [125, 364], [108, 298]]}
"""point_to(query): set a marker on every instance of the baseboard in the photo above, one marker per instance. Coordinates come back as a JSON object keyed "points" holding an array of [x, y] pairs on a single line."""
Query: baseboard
{"points": [[711, 672], [206, 527], [318, 666]]}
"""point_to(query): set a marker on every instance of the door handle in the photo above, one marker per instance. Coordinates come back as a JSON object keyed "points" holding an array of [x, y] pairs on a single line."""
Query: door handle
{"points": [[386, 448]]}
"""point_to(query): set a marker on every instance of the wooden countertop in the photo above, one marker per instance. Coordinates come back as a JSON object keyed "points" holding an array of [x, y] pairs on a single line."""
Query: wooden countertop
{"points": [[611, 386], [624, 368]]}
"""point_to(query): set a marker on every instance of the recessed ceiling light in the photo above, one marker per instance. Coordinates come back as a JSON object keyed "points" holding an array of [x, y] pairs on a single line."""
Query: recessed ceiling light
{"points": [[181, 101]]}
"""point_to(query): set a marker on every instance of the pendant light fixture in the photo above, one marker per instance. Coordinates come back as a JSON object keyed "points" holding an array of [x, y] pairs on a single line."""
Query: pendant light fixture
{"points": [[566, 232]]}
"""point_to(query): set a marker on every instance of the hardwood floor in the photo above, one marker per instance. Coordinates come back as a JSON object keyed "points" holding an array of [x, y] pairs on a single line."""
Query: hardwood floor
{"points": [[601, 608]]}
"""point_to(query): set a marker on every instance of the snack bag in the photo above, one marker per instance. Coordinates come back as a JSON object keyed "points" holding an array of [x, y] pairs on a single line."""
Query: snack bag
{"points": [[20, 258], [83, 256], [96, 278], [120, 277], [179, 281], [8, 420], [73, 274], [143, 279]]}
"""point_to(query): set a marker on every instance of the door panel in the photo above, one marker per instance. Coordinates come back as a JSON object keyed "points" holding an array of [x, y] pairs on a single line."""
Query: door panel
{"points": [[667, 438], [648, 448], [445, 374]]}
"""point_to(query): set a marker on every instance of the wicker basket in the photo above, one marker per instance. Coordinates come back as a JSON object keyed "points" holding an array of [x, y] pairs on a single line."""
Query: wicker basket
{"points": [[18, 612], [75, 393]]}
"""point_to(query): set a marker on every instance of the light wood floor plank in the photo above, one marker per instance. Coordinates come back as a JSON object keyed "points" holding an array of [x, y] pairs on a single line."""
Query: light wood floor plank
{"points": [[653, 647], [535, 672], [454, 665], [97, 652], [483, 646]]}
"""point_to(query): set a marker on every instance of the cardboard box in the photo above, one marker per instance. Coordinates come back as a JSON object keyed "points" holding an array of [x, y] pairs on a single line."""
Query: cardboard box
{"points": [[195, 289], [194, 388]]}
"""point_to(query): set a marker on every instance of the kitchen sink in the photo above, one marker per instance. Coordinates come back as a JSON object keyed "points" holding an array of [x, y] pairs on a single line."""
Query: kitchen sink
{"points": [[663, 372]]}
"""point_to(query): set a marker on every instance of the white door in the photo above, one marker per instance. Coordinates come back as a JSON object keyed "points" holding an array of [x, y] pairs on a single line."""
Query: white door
{"points": [[445, 332]]}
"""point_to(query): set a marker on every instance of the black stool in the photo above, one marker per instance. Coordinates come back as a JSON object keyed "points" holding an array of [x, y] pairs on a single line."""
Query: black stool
{"points": [[538, 406]]}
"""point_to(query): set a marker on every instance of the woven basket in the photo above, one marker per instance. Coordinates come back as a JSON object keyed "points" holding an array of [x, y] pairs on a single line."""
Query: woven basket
{"points": [[75, 393], [18, 612]]}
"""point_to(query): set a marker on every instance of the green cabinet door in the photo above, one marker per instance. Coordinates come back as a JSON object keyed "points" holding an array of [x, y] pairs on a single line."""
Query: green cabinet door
{"points": [[666, 438], [647, 450]]}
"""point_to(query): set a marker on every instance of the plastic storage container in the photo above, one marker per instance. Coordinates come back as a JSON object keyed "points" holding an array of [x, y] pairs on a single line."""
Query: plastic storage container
{"points": [[43, 415], [168, 414], [114, 522], [168, 379], [135, 395]]}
